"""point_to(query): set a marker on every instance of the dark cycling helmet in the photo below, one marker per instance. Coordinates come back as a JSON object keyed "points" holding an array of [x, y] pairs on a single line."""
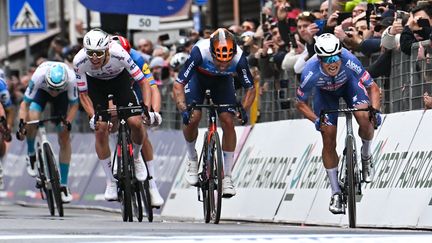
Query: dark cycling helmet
{"points": [[223, 46], [122, 41], [327, 45], [56, 76]]}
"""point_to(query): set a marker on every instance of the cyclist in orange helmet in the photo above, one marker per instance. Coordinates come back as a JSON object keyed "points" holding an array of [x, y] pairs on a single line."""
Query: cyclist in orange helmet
{"points": [[211, 64]]}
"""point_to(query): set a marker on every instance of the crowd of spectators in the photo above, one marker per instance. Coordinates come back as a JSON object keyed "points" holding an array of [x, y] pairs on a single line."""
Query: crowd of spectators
{"points": [[280, 40]]}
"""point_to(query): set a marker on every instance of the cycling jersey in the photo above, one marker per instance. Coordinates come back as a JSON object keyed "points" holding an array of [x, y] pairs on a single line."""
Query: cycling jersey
{"points": [[139, 60], [119, 60], [350, 84], [313, 76], [5, 97], [201, 60], [38, 82]]}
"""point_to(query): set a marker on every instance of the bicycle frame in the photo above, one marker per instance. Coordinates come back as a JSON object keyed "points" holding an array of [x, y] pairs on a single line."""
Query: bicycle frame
{"points": [[349, 176], [48, 179]]}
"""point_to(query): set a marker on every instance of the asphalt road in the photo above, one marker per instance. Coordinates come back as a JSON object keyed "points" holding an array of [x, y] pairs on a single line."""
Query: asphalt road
{"points": [[32, 224]]}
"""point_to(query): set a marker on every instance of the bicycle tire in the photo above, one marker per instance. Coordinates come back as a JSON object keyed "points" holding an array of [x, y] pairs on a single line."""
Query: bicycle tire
{"points": [[215, 178], [48, 192], [127, 179], [204, 179], [351, 181], [54, 178], [145, 192], [139, 212]]}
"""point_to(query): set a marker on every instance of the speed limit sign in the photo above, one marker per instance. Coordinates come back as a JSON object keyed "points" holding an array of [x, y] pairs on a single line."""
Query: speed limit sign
{"points": [[143, 22]]}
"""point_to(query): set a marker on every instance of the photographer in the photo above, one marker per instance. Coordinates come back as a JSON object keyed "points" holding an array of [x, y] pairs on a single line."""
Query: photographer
{"points": [[270, 56], [417, 28]]}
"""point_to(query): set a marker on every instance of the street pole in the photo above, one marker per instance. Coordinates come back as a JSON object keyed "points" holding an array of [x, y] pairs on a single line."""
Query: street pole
{"points": [[27, 52]]}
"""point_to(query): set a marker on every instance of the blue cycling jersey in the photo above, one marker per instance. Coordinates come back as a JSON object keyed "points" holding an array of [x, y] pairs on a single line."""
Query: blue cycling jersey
{"points": [[5, 97], [314, 76], [201, 61]]}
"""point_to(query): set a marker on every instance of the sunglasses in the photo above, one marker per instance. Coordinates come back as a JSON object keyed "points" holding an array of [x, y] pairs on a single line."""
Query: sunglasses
{"points": [[330, 59], [97, 53]]}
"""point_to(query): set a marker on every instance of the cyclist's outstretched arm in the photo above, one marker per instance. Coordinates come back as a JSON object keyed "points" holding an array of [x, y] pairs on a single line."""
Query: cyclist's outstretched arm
{"points": [[179, 96], [86, 103], [306, 110], [146, 91], [156, 98], [374, 95]]}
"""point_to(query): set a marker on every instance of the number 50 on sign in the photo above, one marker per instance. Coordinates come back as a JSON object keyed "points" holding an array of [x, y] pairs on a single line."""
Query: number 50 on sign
{"points": [[143, 22]]}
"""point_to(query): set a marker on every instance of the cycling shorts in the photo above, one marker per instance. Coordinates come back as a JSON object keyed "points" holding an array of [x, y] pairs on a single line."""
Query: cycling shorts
{"points": [[59, 103], [353, 92], [221, 89], [119, 86]]}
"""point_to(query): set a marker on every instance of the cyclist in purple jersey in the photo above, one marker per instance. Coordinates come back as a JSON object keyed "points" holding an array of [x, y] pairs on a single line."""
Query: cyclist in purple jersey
{"points": [[335, 73], [210, 66]]}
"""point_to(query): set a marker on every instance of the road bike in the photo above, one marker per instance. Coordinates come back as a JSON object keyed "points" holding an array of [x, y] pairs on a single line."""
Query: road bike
{"points": [[48, 176], [211, 162], [131, 192], [350, 178]]}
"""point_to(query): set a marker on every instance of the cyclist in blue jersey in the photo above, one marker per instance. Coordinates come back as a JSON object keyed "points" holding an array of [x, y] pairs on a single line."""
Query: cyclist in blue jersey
{"points": [[155, 117], [5, 136], [211, 64], [335, 73]]}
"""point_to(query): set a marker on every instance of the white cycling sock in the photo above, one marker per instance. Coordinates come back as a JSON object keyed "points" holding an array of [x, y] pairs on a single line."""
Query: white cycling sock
{"points": [[366, 149], [228, 162], [192, 153], [136, 150], [333, 177], [106, 165]]}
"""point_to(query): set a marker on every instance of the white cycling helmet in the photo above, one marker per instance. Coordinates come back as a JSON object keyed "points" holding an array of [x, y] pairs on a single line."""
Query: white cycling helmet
{"points": [[96, 40], [327, 45], [56, 77], [178, 60]]}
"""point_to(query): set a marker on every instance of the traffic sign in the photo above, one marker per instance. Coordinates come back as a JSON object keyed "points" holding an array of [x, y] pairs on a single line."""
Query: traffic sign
{"points": [[143, 22], [26, 17]]}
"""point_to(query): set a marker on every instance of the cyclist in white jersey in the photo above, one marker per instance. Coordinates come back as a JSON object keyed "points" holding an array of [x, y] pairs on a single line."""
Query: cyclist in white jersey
{"points": [[52, 82], [102, 68]]}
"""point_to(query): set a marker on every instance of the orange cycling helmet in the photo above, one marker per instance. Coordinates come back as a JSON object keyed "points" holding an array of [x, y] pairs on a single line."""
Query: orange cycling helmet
{"points": [[122, 41], [223, 46]]}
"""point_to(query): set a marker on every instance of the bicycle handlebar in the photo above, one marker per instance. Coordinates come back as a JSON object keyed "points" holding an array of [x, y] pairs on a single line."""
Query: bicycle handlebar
{"points": [[238, 107], [42, 121], [372, 113]]}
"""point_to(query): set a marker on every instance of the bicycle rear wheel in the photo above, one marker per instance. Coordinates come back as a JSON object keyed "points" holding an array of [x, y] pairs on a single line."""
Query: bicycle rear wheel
{"points": [[351, 181], [215, 179], [54, 178], [126, 184]]}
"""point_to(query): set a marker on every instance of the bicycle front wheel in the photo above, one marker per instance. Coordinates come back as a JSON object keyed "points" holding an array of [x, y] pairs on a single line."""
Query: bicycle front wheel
{"points": [[126, 183], [43, 183], [54, 178], [144, 188], [215, 178], [351, 181]]}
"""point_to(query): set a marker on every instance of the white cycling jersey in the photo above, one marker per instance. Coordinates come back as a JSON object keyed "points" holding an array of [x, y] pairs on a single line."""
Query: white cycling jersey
{"points": [[119, 60], [38, 82]]}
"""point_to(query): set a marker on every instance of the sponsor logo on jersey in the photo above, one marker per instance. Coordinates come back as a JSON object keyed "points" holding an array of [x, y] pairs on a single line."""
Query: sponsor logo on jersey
{"points": [[353, 66], [364, 77], [299, 92], [120, 58], [245, 76], [84, 60], [306, 79], [132, 66], [189, 69]]}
